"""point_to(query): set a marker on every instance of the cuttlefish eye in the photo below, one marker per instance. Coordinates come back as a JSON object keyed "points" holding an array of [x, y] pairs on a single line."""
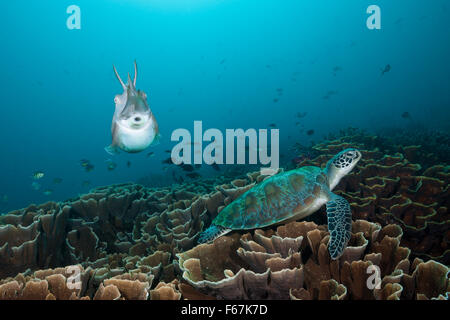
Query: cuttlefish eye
{"points": [[137, 119]]}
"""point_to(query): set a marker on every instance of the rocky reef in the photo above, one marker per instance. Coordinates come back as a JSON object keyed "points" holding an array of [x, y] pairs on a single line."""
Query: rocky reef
{"points": [[134, 242]]}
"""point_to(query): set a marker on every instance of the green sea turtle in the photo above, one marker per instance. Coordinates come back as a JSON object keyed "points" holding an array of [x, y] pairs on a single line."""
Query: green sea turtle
{"points": [[290, 196]]}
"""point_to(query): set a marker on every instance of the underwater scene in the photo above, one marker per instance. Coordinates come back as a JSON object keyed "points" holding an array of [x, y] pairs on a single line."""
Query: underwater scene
{"points": [[225, 150]]}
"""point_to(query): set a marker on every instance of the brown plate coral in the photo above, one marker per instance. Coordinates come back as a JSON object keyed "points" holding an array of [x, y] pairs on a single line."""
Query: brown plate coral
{"points": [[133, 242]]}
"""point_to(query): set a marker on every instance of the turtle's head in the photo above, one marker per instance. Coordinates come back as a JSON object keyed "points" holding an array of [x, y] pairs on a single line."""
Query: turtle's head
{"points": [[341, 164]]}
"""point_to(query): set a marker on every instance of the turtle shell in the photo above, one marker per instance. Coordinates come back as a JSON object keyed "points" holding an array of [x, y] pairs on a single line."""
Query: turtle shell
{"points": [[276, 199]]}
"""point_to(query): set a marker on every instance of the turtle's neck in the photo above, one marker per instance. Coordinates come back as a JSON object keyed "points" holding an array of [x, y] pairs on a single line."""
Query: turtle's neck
{"points": [[334, 175]]}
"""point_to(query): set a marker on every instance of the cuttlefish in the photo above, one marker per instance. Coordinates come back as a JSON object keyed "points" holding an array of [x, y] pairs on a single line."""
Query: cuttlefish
{"points": [[134, 127]]}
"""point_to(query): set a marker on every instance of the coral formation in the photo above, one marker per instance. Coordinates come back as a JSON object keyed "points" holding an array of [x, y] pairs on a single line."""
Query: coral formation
{"points": [[391, 189], [293, 262], [133, 242]]}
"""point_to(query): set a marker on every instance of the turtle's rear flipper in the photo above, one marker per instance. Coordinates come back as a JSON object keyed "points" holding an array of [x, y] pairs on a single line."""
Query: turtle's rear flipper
{"points": [[339, 225], [212, 233]]}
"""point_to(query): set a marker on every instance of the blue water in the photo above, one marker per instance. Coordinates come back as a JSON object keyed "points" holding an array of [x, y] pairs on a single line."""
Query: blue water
{"points": [[216, 61]]}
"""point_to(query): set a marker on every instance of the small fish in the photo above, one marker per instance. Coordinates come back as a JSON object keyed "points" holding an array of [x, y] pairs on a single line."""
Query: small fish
{"points": [[386, 69], [48, 192], [128, 164], [167, 161], [111, 165], [272, 125], [36, 185], [57, 180], [275, 100], [187, 167], [86, 183], [168, 151], [336, 70], [222, 61], [193, 175], [38, 175], [310, 132], [299, 159], [84, 162], [89, 167], [301, 114], [150, 154], [406, 115], [329, 94], [215, 166], [177, 179], [134, 127]]}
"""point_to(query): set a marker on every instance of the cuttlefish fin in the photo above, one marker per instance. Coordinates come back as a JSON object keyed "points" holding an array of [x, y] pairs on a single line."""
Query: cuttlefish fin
{"points": [[112, 150], [156, 140]]}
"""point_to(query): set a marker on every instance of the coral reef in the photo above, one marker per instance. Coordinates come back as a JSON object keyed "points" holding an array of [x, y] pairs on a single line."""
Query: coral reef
{"points": [[128, 241], [293, 262], [391, 189], [110, 232]]}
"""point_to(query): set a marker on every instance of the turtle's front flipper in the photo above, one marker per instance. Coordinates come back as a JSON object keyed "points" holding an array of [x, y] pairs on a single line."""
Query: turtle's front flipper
{"points": [[212, 233], [339, 225]]}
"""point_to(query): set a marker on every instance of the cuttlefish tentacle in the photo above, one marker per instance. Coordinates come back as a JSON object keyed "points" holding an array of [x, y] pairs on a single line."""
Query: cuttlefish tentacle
{"points": [[135, 73], [129, 78], [118, 77], [131, 84]]}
